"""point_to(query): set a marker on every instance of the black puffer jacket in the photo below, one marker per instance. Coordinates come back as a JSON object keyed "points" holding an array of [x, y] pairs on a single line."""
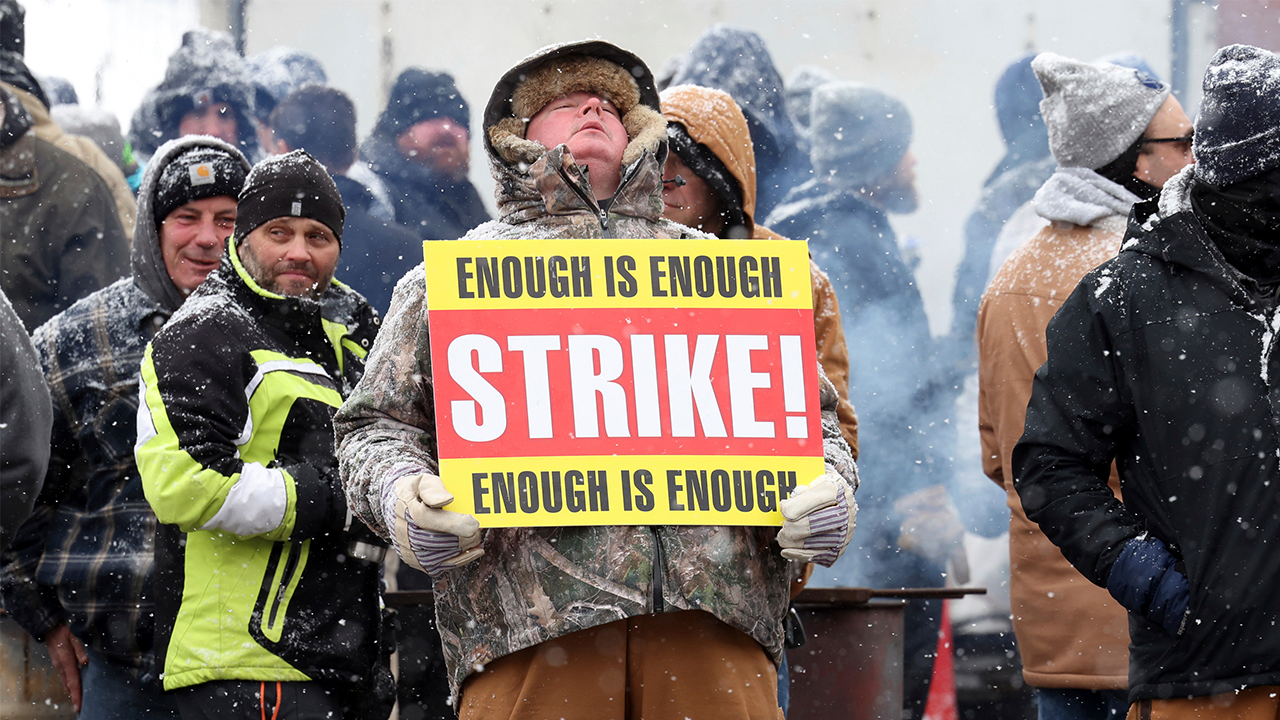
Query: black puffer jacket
{"points": [[1163, 359]]}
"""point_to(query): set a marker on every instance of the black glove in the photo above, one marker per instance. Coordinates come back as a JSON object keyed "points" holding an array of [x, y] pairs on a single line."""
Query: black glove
{"points": [[1146, 581]]}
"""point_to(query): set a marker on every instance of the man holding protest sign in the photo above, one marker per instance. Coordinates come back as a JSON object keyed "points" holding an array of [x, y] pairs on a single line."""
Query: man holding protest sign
{"points": [[612, 619]]}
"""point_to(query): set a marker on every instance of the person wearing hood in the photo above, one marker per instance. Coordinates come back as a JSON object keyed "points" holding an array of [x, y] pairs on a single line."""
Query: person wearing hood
{"points": [[17, 80], [79, 575], [268, 594], [738, 62], [60, 234], [1073, 637], [419, 149], [712, 154], [577, 144], [1162, 361], [206, 91], [709, 183], [903, 392]]}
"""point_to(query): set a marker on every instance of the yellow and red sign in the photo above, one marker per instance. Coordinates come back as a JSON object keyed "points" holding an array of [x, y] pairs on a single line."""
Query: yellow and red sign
{"points": [[623, 382]]}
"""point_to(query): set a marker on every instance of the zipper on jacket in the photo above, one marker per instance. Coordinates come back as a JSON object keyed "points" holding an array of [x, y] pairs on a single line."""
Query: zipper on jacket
{"points": [[599, 212], [290, 566], [659, 605]]}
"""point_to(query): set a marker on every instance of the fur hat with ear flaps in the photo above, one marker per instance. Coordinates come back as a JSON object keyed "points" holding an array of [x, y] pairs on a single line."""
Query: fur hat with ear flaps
{"points": [[558, 70]]}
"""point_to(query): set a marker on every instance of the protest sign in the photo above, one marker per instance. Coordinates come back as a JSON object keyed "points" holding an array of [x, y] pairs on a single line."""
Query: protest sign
{"points": [[623, 382]]}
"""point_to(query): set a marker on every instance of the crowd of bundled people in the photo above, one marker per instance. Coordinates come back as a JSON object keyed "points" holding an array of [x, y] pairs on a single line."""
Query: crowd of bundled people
{"points": [[218, 408]]}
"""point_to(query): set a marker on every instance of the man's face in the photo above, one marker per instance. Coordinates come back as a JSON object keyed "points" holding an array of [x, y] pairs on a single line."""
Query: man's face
{"points": [[192, 238], [292, 256], [214, 119], [1159, 161], [440, 144], [592, 128], [694, 204], [897, 192]]}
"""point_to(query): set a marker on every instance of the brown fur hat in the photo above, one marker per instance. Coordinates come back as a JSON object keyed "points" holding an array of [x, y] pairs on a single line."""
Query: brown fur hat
{"points": [[592, 66]]}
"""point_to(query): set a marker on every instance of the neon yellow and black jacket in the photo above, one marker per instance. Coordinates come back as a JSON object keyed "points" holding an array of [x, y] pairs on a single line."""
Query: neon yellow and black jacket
{"points": [[255, 574]]}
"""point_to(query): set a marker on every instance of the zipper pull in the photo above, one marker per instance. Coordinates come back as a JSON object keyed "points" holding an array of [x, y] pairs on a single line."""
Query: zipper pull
{"points": [[604, 221]]}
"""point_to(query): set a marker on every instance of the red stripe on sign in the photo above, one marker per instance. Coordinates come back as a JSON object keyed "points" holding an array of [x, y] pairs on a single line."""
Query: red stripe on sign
{"points": [[541, 383]]}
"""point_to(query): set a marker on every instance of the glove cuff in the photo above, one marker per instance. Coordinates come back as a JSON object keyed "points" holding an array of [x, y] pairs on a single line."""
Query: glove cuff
{"points": [[395, 513]]}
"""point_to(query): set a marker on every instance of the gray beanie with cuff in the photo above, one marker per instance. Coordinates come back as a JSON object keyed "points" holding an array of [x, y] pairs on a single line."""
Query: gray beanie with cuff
{"points": [[1094, 112]]}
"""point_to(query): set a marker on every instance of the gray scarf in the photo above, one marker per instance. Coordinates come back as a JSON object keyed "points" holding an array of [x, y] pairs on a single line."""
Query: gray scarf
{"points": [[1082, 196]]}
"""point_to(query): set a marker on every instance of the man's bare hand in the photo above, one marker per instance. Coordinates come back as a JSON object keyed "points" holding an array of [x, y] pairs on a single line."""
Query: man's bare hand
{"points": [[68, 656]]}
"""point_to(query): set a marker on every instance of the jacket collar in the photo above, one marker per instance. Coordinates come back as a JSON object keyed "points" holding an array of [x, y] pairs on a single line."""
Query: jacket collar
{"points": [[556, 187], [1162, 228]]}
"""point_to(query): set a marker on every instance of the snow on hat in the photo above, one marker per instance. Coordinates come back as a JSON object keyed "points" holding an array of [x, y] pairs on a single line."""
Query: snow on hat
{"points": [[858, 133], [1094, 112], [290, 185], [420, 95], [200, 172], [1238, 130], [278, 71]]}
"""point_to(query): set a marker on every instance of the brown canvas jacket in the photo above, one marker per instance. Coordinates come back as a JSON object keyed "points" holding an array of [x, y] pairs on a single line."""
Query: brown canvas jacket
{"points": [[1070, 632]]}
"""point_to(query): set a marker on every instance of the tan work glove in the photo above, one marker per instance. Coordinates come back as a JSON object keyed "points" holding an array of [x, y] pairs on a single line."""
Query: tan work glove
{"points": [[424, 535], [818, 521]]}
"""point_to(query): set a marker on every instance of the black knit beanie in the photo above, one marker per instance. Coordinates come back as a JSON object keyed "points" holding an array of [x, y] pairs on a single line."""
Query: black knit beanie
{"points": [[420, 95], [711, 170], [290, 185], [1238, 129], [198, 173]]}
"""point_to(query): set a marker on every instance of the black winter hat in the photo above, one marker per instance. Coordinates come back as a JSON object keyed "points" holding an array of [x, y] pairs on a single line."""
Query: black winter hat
{"points": [[13, 27], [1238, 130], [290, 185], [199, 173], [422, 95]]}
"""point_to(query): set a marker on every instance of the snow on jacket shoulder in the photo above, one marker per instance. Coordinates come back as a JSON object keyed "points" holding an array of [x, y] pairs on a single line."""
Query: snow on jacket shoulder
{"points": [[1162, 361], [1070, 632], [255, 576]]}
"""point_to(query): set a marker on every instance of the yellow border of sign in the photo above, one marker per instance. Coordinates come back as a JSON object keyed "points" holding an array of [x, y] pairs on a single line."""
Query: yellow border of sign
{"points": [[552, 474], [442, 279]]}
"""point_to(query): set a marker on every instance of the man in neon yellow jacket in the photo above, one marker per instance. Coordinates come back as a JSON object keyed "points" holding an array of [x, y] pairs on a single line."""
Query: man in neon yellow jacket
{"points": [[267, 591]]}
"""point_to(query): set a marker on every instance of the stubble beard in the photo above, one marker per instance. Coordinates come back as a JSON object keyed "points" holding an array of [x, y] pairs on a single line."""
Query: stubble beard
{"points": [[266, 277]]}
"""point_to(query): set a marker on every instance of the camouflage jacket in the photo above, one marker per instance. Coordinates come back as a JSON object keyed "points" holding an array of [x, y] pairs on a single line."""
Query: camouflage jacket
{"points": [[536, 584]]}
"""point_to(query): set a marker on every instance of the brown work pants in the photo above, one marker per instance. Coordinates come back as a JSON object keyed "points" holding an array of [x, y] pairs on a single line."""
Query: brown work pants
{"points": [[671, 665], [1257, 703]]}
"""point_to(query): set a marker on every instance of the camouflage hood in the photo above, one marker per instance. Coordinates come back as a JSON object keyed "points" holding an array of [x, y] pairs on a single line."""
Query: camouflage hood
{"points": [[535, 183]]}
